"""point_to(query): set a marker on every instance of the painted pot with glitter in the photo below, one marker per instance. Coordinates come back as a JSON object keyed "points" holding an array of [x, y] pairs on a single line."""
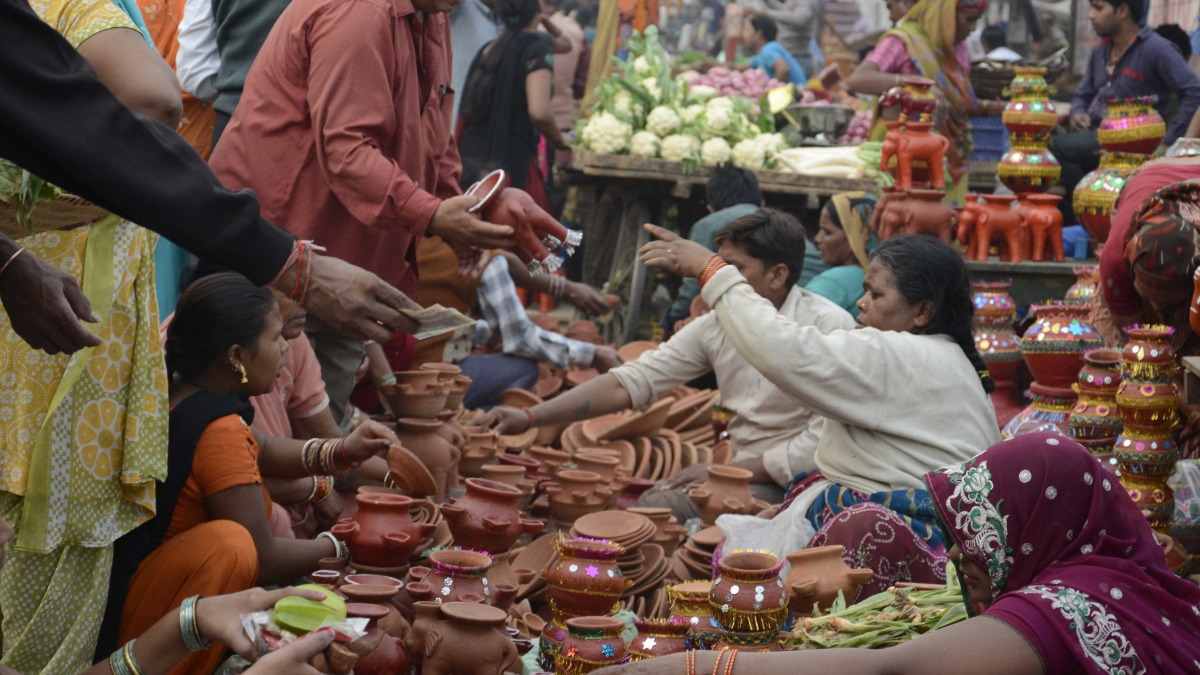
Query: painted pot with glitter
{"points": [[689, 603], [593, 642], [460, 575], [585, 579], [748, 594], [658, 637]]}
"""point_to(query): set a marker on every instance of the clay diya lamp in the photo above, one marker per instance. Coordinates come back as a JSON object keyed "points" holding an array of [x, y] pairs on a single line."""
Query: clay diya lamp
{"points": [[575, 494], [658, 637], [388, 656], [382, 534], [749, 601], [393, 624], [727, 490], [469, 638], [518, 398], [690, 604], [585, 580], [329, 578], [486, 517], [420, 437], [629, 496], [593, 642], [457, 575], [817, 576]]}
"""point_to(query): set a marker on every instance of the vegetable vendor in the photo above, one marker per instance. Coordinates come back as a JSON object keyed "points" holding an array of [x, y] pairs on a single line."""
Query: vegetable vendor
{"points": [[1061, 574], [930, 41], [758, 36]]}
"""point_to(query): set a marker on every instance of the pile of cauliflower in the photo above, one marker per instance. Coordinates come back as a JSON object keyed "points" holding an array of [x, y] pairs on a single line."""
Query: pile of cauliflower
{"points": [[646, 113]]}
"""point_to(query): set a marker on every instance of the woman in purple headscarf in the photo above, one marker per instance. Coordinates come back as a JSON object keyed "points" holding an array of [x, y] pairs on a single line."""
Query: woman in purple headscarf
{"points": [[1061, 574]]}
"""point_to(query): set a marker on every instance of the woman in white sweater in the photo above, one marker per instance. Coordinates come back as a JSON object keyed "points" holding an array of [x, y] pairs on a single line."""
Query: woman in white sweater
{"points": [[903, 394]]}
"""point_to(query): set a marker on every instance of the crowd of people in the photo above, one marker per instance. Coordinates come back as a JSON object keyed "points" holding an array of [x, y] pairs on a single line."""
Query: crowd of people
{"points": [[153, 472]]}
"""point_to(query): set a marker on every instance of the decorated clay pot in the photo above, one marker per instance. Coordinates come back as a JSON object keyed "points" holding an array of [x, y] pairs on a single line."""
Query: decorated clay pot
{"points": [[550, 641], [818, 575], [574, 494], [468, 640], [486, 517], [585, 579], [1053, 346], [593, 642], [1029, 166], [1095, 417], [420, 437], [392, 623], [382, 534], [388, 657], [1030, 113], [748, 595], [690, 604], [1029, 81], [1148, 397], [1094, 195], [727, 490], [1086, 287], [1184, 147], [658, 637], [457, 575], [995, 339], [1131, 125], [1049, 413]]}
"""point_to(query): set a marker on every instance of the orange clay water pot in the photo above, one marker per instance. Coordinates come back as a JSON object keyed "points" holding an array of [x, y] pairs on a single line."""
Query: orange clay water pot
{"points": [[727, 490], [421, 438], [392, 623], [486, 517], [535, 229], [468, 640], [818, 574], [382, 534]]}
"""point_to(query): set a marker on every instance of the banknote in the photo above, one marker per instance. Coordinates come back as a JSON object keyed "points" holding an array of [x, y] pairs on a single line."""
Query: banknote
{"points": [[437, 320]]}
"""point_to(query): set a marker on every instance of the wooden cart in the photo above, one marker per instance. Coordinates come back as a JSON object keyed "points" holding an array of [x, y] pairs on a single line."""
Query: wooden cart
{"points": [[617, 194]]}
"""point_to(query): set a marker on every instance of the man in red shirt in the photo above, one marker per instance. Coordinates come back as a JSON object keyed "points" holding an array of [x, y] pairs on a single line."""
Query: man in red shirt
{"points": [[344, 132]]}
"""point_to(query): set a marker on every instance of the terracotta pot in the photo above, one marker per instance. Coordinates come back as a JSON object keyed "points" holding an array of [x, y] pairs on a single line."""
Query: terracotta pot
{"points": [[748, 595], [509, 474], [1053, 346], [469, 640], [552, 636], [593, 642], [1095, 416], [1049, 413], [1045, 225], [1086, 286], [530, 464], [457, 575], [1147, 396], [486, 517], [420, 437], [372, 580], [690, 603], [585, 579], [389, 657], [382, 534], [481, 449], [629, 496], [1030, 112], [551, 459], [727, 490], [606, 466], [1131, 125], [658, 637], [1029, 166], [329, 578], [574, 494], [393, 624], [447, 372], [426, 616], [1094, 195], [420, 380], [458, 389], [818, 575]]}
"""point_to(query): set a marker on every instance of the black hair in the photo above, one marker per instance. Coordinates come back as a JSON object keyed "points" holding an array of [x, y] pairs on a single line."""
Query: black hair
{"points": [[730, 186], [925, 268], [202, 268], [772, 236], [213, 314], [1178, 37], [586, 15], [993, 37], [1137, 8], [480, 88], [766, 26]]}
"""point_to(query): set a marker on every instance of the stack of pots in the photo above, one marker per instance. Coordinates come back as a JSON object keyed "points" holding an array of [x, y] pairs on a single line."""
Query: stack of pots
{"points": [[749, 602], [1095, 420], [1053, 348], [1129, 134], [584, 581], [996, 341], [690, 604], [1029, 168], [1149, 403]]}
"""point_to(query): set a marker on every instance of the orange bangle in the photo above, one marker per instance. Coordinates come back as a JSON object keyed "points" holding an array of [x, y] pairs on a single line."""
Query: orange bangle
{"points": [[710, 268]]}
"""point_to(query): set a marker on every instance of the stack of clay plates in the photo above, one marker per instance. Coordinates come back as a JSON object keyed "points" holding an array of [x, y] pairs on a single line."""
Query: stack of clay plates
{"points": [[425, 511], [693, 560]]}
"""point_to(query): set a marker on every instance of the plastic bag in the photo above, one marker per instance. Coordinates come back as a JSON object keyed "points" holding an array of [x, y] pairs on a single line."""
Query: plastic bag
{"points": [[1186, 484], [779, 536]]}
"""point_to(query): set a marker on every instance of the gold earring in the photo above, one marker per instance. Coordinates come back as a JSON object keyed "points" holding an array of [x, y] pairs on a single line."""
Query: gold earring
{"points": [[242, 369]]}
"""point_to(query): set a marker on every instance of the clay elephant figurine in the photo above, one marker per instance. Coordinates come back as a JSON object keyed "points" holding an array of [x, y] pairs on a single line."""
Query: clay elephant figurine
{"points": [[1046, 222], [916, 143], [890, 148], [926, 213], [886, 195], [1003, 221], [891, 222], [470, 639], [968, 219]]}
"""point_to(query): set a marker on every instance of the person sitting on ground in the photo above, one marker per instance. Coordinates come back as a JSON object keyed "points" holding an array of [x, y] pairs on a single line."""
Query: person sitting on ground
{"points": [[492, 296], [1131, 60], [1060, 573], [904, 394], [773, 435], [758, 36], [844, 241], [224, 345]]}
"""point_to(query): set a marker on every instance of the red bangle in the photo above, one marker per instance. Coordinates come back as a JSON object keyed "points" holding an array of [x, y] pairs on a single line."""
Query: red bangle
{"points": [[342, 452]]}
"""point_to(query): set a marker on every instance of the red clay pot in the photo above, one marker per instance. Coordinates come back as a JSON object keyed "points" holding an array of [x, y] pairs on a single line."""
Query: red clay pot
{"points": [[585, 580], [393, 624], [389, 657], [382, 534], [486, 517]]}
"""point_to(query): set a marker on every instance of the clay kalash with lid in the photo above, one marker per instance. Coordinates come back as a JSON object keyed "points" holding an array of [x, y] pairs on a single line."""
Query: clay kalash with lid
{"points": [[1149, 404], [592, 642], [1030, 117], [727, 490], [1095, 421], [749, 601], [818, 575], [382, 534], [690, 604], [486, 517], [996, 341]]}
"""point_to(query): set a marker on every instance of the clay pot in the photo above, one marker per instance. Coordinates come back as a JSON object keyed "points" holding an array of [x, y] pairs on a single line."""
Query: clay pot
{"points": [[1030, 81], [372, 580], [1053, 346], [1131, 125], [748, 595], [426, 615], [585, 579], [1095, 194], [420, 380], [992, 327], [406, 401], [1147, 396], [818, 575], [574, 494], [393, 624], [486, 517], [1030, 113], [727, 490], [509, 474], [1049, 413], [550, 641], [530, 464], [325, 578], [388, 657], [457, 575], [382, 534], [420, 437], [551, 459], [480, 449], [408, 473], [468, 640], [593, 642], [1095, 417], [629, 496], [1086, 286], [690, 604], [1029, 166], [457, 390], [658, 637], [446, 372]]}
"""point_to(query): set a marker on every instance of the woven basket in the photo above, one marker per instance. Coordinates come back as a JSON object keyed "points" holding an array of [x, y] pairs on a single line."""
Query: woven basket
{"points": [[990, 79], [65, 213]]}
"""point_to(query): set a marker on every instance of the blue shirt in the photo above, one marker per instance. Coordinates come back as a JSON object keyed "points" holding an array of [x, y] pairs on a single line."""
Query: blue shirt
{"points": [[765, 59], [843, 285], [1151, 65]]}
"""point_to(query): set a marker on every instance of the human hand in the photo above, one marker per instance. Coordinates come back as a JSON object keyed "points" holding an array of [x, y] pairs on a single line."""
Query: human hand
{"points": [[696, 473], [505, 421], [293, 658], [219, 617], [605, 359], [368, 440], [328, 510], [6, 534], [586, 299], [674, 253], [1080, 121], [462, 229], [45, 305], [352, 301]]}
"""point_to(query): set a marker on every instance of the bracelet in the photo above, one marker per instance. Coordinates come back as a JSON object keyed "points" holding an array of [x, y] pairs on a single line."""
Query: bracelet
{"points": [[123, 662], [11, 258], [292, 257], [339, 547], [188, 627], [729, 664], [532, 422], [384, 381], [710, 268], [306, 455], [717, 665], [322, 488], [341, 450], [689, 660], [388, 480]]}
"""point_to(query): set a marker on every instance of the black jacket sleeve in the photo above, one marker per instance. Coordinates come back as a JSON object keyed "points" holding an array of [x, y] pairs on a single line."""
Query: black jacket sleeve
{"points": [[59, 122]]}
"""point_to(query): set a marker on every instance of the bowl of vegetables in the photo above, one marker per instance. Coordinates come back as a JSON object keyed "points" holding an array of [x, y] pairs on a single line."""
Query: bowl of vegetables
{"points": [[811, 119]]}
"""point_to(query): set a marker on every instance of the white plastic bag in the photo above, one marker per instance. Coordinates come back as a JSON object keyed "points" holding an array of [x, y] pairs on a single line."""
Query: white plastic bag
{"points": [[1186, 484], [789, 532]]}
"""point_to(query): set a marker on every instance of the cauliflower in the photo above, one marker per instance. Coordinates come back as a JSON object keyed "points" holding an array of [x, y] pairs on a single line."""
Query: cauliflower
{"points": [[748, 155], [623, 101], [701, 92], [719, 119], [607, 134], [676, 147], [662, 121], [715, 151], [644, 144], [641, 66], [695, 141], [691, 113], [687, 76], [771, 142], [721, 102], [651, 85]]}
